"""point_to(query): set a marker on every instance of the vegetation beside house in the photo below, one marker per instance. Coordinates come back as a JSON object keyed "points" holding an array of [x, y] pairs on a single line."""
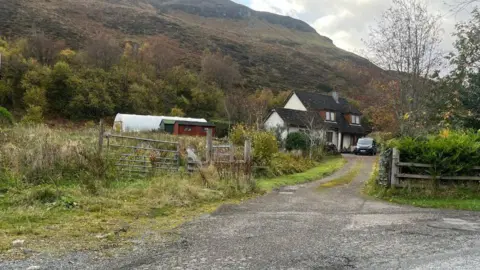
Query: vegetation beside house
{"points": [[450, 155], [432, 117]]}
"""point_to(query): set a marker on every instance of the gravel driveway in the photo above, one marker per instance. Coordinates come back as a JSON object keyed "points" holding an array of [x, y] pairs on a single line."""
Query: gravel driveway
{"points": [[301, 228]]}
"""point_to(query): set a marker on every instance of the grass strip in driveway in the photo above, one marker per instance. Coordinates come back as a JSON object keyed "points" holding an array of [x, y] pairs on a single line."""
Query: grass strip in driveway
{"points": [[458, 198], [325, 168], [342, 180]]}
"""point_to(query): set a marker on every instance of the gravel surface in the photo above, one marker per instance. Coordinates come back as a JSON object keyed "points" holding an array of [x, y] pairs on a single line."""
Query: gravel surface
{"points": [[301, 228]]}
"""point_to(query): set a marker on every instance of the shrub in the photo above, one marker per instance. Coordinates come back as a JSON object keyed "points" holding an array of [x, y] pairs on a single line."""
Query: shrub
{"points": [[34, 115], [287, 163], [450, 153], [297, 141], [264, 145], [5, 117], [221, 128], [239, 134]]}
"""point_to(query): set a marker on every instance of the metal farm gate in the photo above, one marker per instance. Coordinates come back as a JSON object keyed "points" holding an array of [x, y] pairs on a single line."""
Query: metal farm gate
{"points": [[135, 156]]}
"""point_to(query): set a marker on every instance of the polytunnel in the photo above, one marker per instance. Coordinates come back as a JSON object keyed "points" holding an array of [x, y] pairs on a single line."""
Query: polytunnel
{"points": [[138, 123]]}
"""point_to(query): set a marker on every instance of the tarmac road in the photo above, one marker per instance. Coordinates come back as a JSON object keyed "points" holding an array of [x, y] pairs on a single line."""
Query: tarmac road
{"points": [[301, 228]]}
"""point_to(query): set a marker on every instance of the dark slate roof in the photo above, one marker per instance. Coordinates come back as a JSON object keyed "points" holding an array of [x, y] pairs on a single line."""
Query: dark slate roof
{"points": [[298, 118], [345, 127], [316, 101]]}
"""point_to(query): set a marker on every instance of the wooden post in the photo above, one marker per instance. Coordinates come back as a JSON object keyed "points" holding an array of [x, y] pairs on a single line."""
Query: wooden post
{"points": [[248, 151], [232, 153], [395, 169], [177, 156], [209, 146], [100, 137]]}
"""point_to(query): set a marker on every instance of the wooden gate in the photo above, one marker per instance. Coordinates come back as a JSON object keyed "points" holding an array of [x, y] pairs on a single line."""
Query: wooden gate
{"points": [[141, 156]]}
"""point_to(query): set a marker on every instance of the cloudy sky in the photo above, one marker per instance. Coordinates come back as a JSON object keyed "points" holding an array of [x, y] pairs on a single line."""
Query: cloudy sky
{"points": [[347, 22]]}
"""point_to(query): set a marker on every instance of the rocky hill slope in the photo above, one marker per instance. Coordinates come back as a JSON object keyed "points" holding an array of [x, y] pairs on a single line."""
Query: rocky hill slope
{"points": [[272, 50]]}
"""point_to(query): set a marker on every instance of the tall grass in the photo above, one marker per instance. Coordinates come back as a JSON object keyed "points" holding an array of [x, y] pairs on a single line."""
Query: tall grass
{"points": [[39, 155], [55, 187]]}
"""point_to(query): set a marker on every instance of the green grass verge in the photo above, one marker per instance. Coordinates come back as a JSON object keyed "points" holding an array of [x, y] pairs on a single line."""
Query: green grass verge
{"points": [[342, 180], [57, 219], [452, 197], [325, 168]]}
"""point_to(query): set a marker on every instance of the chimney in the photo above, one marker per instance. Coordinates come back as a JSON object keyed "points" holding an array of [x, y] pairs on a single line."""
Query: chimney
{"points": [[335, 96]]}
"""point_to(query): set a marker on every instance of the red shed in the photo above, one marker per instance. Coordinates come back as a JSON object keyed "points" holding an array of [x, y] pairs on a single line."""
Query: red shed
{"points": [[192, 128]]}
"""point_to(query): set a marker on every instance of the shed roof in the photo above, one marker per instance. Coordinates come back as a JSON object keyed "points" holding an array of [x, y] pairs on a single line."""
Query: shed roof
{"points": [[190, 123], [168, 122]]}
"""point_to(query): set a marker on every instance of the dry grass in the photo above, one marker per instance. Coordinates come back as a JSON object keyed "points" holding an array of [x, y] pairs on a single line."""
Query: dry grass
{"points": [[58, 195], [54, 218]]}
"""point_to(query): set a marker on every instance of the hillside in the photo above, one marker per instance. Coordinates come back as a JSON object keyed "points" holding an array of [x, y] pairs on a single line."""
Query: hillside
{"points": [[273, 51]]}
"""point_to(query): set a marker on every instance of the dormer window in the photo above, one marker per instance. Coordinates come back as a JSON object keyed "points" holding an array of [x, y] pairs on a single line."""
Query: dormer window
{"points": [[330, 116], [355, 119]]}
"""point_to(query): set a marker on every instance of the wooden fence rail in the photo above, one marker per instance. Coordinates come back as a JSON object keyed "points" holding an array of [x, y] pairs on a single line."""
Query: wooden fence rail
{"points": [[397, 165], [144, 156]]}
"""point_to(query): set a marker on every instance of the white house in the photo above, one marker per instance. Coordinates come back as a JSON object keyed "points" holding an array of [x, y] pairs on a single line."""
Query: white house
{"points": [[331, 116]]}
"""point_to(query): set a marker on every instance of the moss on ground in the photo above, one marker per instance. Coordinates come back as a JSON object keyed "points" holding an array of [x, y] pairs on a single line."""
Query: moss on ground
{"points": [[342, 180], [328, 167]]}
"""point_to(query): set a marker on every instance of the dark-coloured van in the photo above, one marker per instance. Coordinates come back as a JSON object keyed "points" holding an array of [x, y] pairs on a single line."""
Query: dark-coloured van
{"points": [[366, 146]]}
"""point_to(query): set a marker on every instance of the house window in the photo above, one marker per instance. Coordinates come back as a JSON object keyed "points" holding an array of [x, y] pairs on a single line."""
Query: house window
{"points": [[187, 128], [356, 119], [205, 129], [330, 116], [330, 136]]}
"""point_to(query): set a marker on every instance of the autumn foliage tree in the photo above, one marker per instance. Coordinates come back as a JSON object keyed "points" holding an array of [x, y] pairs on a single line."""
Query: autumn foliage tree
{"points": [[406, 41]]}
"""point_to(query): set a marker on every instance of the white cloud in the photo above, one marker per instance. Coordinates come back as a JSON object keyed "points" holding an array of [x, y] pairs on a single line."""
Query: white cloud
{"points": [[347, 22], [283, 7]]}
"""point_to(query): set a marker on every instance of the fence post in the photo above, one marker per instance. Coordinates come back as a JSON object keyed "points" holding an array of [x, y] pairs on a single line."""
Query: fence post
{"points": [[177, 156], [100, 137], [395, 168], [248, 151], [209, 146], [232, 153]]}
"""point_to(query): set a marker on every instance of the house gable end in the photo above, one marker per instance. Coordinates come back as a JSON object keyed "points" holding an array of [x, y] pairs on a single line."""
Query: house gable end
{"points": [[294, 103], [273, 121]]}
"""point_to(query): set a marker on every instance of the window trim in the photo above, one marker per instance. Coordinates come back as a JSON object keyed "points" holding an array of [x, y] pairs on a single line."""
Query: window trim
{"points": [[355, 119], [328, 133], [330, 116]]}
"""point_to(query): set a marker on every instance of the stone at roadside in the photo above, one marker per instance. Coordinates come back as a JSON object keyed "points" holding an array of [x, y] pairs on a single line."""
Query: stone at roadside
{"points": [[34, 267], [18, 243], [27, 251], [103, 236], [124, 227]]}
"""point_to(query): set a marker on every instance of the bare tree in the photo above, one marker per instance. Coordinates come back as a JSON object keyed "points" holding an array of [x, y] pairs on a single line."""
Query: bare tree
{"points": [[104, 52], [258, 105], [42, 48], [406, 41], [315, 130], [161, 54], [459, 5], [224, 72]]}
